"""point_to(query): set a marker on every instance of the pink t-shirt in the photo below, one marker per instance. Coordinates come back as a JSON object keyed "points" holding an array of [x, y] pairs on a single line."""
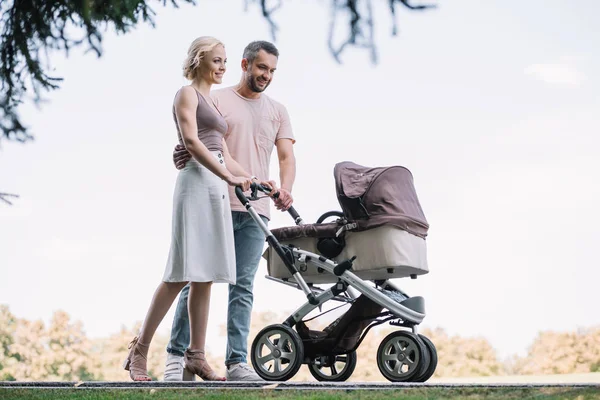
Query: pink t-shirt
{"points": [[254, 125]]}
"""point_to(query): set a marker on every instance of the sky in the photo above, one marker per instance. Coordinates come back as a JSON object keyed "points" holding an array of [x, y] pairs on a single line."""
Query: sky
{"points": [[493, 106]]}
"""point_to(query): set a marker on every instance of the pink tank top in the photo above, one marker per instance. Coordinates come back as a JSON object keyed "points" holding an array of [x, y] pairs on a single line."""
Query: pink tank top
{"points": [[212, 127]]}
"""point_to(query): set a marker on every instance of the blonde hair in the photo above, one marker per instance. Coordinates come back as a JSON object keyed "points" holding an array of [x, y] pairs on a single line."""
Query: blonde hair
{"points": [[196, 52]]}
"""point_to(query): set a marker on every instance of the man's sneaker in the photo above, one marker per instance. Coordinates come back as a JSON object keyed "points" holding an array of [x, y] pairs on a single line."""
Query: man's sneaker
{"points": [[242, 372], [174, 368]]}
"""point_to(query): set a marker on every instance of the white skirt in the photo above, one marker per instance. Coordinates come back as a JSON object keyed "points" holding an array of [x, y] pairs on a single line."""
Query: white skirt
{"points": [[202, 247]]}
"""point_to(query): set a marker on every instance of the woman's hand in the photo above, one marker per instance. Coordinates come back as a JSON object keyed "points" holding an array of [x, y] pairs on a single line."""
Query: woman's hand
{"points": [[240, 181]]}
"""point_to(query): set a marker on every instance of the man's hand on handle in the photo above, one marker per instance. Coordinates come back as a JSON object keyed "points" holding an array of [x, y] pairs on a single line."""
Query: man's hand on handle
{"points": [[284, 201], [269, 184]]}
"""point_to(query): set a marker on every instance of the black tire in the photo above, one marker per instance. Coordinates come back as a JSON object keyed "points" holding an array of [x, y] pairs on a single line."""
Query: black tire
{"points": [[433, 360], [278, 347], [398, 350], [320, 365], [423, 365]]}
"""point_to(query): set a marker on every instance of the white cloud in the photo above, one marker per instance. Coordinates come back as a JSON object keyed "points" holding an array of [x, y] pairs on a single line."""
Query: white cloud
{"points": [[563, 73]]}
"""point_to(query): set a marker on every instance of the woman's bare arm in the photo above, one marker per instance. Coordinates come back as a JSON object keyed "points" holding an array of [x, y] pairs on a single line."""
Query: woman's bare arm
{"points": [[186, 104]]}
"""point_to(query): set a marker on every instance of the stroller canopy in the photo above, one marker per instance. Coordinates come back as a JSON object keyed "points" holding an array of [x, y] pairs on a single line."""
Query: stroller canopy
{"points": [[371, 197]]}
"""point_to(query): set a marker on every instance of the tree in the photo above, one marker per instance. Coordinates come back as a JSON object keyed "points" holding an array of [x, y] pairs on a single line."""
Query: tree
{"points": [[32, 352], [68, 350], [26, 356], [562, 353], [5, 197], [31, 30], [8, 326], [464, 356]]}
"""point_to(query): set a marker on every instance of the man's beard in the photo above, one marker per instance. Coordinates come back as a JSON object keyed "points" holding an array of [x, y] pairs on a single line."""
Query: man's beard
{"points": [[254, 87]]}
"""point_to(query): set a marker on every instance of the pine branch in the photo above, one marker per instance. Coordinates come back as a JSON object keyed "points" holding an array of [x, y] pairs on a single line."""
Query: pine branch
{"points": [[31, 30], [4, 199]]}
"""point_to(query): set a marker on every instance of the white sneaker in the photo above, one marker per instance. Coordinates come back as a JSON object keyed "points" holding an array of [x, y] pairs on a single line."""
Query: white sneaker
{"points": [[242, 372], [174, 368]]}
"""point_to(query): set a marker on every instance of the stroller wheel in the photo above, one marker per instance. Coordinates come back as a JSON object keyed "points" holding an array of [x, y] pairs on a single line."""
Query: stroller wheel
{"points": [[277, 353], [336, 368], [400, 356], [328, 214], [433, 360]]}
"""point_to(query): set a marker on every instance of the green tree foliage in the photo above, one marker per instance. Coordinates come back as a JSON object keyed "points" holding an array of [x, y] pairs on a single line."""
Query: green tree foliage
{"points": [[8, 327], [61, 351], [561, 353], [32, 351], [31, 30], [464, 356]]}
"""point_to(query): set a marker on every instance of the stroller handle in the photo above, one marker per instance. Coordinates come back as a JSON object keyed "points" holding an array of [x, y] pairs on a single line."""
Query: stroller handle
{"points": [[241, 196], [282, 252], [253, 189]]}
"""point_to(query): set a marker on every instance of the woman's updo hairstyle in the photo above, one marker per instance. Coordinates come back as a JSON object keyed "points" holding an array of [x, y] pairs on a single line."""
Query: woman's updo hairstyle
{"points": [[196, 52]]}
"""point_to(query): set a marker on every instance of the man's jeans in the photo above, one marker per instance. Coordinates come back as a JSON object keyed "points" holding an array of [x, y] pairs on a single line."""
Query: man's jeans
{"points": [[249, 241]]}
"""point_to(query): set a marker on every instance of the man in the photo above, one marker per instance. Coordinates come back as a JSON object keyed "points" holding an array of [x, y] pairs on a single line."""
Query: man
{"points": [[256, 124]]}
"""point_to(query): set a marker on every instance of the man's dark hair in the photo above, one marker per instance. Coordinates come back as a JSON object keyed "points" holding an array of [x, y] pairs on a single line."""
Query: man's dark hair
{"points": [[253, 48]]}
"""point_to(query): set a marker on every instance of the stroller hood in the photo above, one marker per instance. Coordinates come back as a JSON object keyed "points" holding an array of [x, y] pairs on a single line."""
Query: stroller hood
{"points": [[371, 197]]}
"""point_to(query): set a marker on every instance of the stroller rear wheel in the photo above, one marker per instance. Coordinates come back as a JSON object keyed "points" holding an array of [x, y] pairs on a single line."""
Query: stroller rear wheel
{"points": [[277, 353], [400, 356], [337, 368]]}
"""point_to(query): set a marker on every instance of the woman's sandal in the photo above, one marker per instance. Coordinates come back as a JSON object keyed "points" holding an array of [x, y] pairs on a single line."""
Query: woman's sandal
{"points": [[196, 363], [135, 362]]}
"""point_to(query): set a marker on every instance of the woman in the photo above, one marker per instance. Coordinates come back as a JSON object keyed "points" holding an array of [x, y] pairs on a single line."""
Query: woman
{"points": [[202, 249]]}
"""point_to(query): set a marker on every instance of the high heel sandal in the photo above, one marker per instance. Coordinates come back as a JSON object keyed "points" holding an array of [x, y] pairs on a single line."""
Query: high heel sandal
{"points": [[135, 362], [196, 363]]}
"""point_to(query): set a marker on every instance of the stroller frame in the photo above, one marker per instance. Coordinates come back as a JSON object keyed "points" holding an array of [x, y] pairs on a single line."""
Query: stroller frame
{"points": [[408, 313]]}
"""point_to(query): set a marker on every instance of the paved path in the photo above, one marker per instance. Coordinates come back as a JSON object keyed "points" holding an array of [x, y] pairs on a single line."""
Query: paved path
{"points": [[281, 385]]}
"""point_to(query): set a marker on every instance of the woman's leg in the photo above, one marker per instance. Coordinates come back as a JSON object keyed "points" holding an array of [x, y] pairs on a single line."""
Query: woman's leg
{"points": [[161, 302], [198, 309]]}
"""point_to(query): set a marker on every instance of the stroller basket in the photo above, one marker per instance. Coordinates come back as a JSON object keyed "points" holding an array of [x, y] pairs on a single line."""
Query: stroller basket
{"points": [[343, 334]]}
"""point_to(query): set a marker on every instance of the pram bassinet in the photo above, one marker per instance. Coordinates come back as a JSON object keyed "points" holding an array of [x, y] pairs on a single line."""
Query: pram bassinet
{"points": [[383, 225]]}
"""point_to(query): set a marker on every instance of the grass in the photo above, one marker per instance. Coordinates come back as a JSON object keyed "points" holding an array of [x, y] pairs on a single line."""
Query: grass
{"points": [[585, 393]]}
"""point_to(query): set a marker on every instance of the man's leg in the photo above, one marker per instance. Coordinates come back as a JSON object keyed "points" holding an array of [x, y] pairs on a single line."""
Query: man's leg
{"points": [[180, 338], [249, 244]]}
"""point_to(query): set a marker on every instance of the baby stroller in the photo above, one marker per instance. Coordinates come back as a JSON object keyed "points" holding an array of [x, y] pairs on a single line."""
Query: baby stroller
{"points": [[379, 235]]}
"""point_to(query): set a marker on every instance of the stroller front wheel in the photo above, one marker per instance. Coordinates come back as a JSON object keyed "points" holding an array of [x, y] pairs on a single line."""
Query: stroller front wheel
{"points": [[277, 353], [433, 360], [336, 368], [400, 356]]}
